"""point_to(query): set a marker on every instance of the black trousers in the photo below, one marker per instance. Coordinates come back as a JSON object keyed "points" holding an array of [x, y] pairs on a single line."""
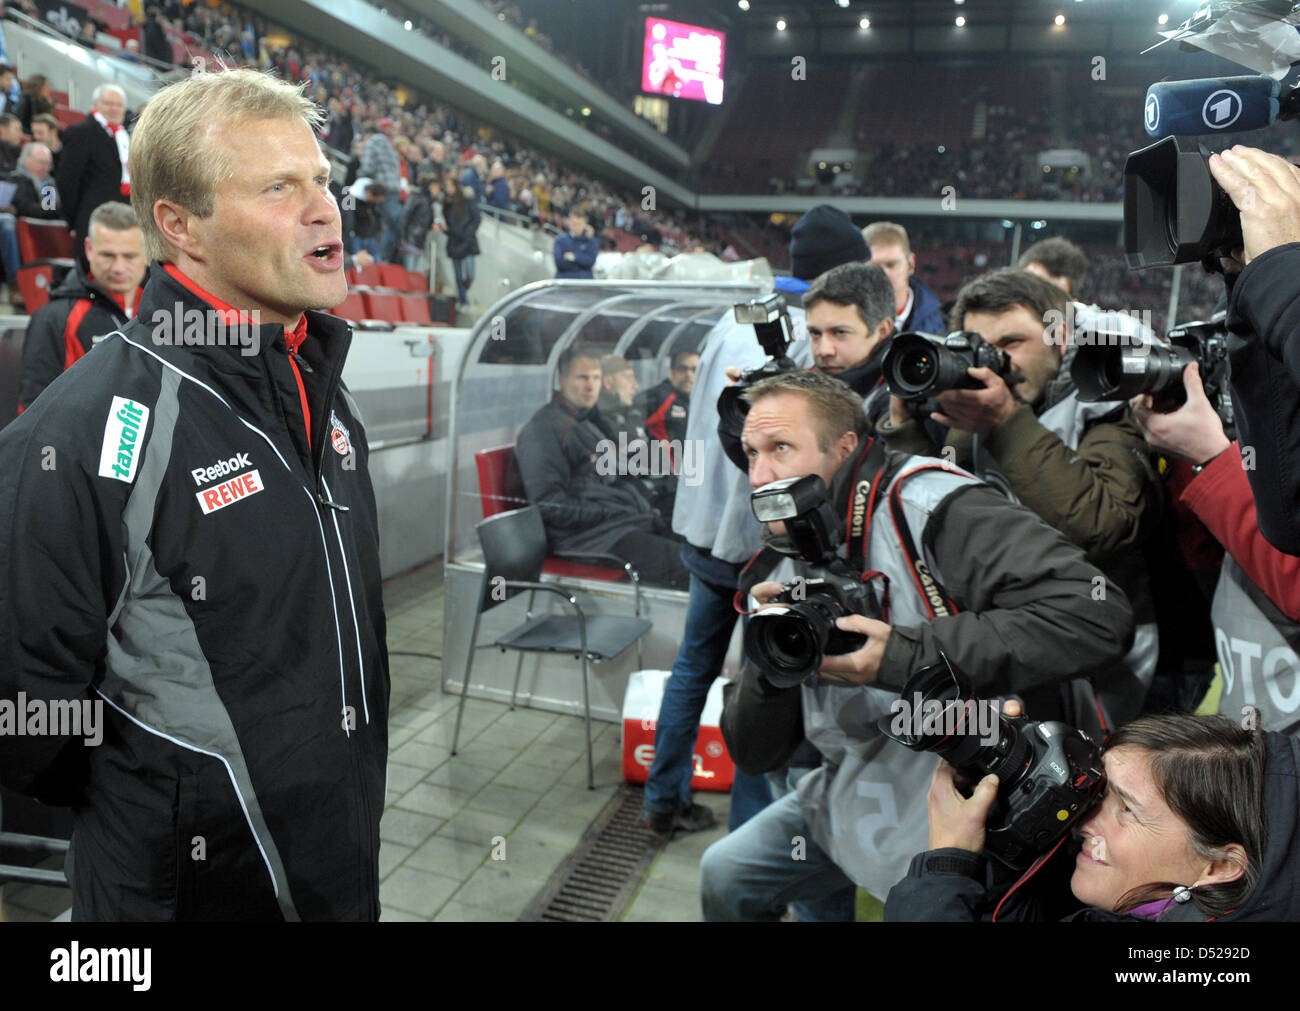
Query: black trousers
{"points": [[657, 559]]}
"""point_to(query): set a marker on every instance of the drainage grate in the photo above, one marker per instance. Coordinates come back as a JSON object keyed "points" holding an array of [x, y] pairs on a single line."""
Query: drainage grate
{"points": [[601, 876]]}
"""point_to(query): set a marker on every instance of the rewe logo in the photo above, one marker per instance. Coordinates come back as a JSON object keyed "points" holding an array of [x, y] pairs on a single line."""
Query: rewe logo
{"points": [[123, 433], [1221, 109]]}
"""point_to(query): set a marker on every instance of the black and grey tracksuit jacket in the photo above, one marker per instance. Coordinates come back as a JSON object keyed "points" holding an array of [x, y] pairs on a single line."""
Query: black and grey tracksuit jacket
{"points": [[173, 546]]}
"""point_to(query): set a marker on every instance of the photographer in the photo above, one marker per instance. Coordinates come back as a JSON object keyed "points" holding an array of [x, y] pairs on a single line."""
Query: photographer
{"points": [[1021, 617], [1264, 317], [1081, 467], [1256, 608], [850, 317], [1198, 822]]}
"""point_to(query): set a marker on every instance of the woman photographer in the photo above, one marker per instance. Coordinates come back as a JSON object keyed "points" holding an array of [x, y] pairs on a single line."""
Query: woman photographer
{"points": [[1198, 822]]}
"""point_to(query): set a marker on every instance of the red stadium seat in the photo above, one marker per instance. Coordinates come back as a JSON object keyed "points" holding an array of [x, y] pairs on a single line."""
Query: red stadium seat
{"points": [[415, 281], [369, 275], [415, 309], [67, 117], [493, 466], [391, 275], [353, 307], [44, 240], [382, 305], [35, 283]]}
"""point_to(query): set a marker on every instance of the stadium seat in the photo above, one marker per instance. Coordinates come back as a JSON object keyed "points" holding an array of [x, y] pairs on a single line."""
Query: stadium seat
{"points": [[369, 275], [415, 309], [67, 117], [353, 307], [44, 240], [415, 281], [494, 465], [382, 305], [391, 275], [36, 280]]}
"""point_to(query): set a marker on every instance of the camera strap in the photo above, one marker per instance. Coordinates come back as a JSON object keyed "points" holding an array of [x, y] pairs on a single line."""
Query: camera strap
{"points": [[936, 600]]}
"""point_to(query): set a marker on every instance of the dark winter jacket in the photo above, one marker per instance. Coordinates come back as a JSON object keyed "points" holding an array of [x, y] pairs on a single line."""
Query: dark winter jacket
{"points": [[27, 199], [90, 172], [927, 311], [1264, 360], [666, 411], [500, 194], [462, 227], [954, 884], [585, 249], [569, 470], [206, 566], [64, 329], [416, 218]]}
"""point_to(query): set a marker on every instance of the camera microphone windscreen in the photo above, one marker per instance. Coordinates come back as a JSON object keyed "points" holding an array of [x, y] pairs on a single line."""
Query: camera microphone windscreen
{"points": [[1212, 105]]}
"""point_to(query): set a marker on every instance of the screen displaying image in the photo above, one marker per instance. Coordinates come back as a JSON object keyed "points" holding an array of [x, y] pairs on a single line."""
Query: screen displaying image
{"points": [[683, 61]]}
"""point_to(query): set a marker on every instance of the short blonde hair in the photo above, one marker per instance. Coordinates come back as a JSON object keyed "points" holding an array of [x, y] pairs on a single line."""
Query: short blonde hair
{"points": [[835, 408], [173, 156], [887, 233]]}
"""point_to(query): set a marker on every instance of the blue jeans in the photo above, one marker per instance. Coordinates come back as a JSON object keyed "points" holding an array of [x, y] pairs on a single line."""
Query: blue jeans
{"points": [[768, 863], [710, 618], [371, 246], [840, 906], [464, 278], [390, 210], [9, 247]]}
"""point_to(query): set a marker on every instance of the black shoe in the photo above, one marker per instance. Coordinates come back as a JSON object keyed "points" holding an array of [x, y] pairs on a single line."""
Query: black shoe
{"points": [[695, 818]]}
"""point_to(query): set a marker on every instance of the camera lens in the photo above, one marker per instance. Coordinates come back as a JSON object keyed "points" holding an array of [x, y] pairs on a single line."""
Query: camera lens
{"points": [[917, 369], [787, 643]]}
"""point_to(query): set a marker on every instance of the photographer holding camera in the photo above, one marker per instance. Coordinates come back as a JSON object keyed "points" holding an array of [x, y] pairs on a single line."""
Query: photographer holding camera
{"points": [[1197, 822], [1081, 467], [1264, 317], [1021, 617], [1256, 607]]}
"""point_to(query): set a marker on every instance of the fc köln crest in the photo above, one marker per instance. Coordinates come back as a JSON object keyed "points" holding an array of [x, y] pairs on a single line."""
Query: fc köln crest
{"points": [[339, 437]]}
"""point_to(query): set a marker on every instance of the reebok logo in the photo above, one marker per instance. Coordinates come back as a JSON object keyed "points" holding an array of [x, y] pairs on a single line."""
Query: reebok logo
{"points": [[202, 475], [123, 434], [228, 492]]}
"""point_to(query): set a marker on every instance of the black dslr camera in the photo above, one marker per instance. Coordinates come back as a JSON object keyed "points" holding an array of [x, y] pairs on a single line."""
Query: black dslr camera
{"points": [[771, 320], [1118, 367], [1049, 774], [1174, 211], [787, 643], [918, 365]]}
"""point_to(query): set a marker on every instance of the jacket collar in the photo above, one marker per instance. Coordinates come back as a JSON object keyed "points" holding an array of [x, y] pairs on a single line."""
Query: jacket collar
{"points": [[161, 329]]}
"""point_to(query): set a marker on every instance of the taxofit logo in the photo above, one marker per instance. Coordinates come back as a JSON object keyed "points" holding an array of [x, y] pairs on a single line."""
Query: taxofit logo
{"points": [[123, 433]]}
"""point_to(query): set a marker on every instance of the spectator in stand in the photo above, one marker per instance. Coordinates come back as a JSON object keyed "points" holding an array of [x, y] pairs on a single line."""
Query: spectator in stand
{"points": [[338, 129], [11, 142], [87, 304], [421, 215], [475, 175], [34, 100], [379, 162], [917, 306], [10, 93], [498, 187], [463, 219], [362, 217], [37, 195], [584, 506], [89, 33], [93, 168], [576, 251]]}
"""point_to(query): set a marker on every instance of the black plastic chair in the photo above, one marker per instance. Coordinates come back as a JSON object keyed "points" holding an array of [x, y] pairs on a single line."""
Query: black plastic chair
{"points": [[42, 846], [514, 548]]}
